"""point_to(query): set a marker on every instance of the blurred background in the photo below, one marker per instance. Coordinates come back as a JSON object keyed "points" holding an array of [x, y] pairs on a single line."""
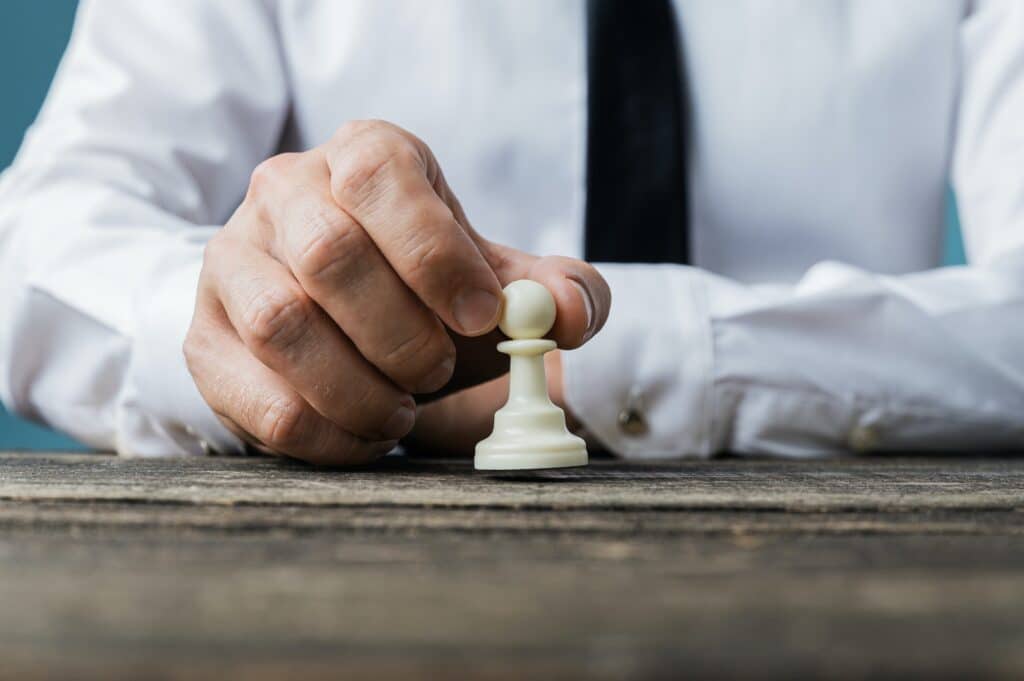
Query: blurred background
{"points": [[33, 34]]}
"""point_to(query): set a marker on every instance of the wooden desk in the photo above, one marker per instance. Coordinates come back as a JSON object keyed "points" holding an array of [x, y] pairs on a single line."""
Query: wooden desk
{"points": [[258, 568]]}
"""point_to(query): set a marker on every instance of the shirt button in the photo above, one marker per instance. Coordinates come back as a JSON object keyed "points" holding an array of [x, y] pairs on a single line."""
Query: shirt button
{"points": [[863, 439]]}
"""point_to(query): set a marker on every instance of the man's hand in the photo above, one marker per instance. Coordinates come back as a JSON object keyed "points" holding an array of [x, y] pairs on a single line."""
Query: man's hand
{"points": [[328, 299]]}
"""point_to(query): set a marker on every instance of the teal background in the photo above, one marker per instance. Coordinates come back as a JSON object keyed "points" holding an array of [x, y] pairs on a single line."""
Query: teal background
{"points": [[33, 34]]}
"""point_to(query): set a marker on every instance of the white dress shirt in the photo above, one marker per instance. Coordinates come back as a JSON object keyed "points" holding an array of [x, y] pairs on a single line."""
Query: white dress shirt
{"points": [[815, 317]]}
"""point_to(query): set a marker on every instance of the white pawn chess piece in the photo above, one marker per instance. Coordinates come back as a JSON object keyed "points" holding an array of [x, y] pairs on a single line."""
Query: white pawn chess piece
{"points": [[529, 431]]}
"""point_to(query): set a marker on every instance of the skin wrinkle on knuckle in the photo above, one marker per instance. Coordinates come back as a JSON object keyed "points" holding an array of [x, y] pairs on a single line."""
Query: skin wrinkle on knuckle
{"points": [[279, 422], [276, 321], [359, 393], [336, 247], [422, 261], [428, 259], [369, 169], [413, 358], [495, 257], [375, 407], [364, 178]]}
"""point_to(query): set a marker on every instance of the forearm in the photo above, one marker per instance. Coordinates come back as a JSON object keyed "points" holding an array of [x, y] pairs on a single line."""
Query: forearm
{"points": [[98, 310], [104, 213]]}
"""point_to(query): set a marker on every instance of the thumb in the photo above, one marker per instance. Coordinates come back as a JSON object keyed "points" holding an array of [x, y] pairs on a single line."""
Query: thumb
{"points": [[582, 297]]}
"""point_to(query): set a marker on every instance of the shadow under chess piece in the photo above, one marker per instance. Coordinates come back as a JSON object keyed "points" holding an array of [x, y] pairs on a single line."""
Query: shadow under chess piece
{"points": [[529, 431]]}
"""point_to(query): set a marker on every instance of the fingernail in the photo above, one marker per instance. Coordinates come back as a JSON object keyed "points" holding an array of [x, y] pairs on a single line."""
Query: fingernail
{"points": [[399, 423], [476, 310], [437, 378], [588, 306]]}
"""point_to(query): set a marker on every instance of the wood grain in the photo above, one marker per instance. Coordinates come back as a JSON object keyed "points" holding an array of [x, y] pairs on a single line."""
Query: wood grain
{"points": [[259, 568], [764, 485]]}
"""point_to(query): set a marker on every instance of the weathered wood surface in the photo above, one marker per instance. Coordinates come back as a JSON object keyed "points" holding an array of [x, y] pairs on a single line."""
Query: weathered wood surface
{"points": [[231, 568], [764, 485]]}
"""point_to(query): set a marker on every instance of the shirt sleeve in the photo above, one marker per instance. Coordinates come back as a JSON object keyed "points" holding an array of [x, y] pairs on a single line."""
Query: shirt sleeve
{"points": [[156, 117], [690, 363]]}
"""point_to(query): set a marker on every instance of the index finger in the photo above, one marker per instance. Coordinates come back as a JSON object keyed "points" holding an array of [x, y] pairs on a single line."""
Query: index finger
{"points": [[384, 179]]}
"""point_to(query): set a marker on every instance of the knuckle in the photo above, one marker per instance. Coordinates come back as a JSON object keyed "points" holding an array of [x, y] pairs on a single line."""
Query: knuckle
{"points": [[356, 128], [270, 172], [368, 168], [276, 319], [200, 344], [200, 349], [366, 404], [361, 175], [427, 258], [335, 245], [410, 361], [214, 250], [279, 422], [193, 348]]}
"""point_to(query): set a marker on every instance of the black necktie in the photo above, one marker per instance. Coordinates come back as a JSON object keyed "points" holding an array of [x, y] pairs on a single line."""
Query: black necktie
{"points": [[636, 172]]}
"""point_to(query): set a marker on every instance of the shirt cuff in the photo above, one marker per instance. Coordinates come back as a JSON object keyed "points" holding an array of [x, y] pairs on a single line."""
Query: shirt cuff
{"points": [[165, 413], [642, 386]]}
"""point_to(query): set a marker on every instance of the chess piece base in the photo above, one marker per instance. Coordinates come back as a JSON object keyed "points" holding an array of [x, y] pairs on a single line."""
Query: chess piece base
{"points": [[565, 452]]}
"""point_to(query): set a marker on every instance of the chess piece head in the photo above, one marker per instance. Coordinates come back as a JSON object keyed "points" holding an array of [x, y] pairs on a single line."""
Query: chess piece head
{"points": [[528, 311]]}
